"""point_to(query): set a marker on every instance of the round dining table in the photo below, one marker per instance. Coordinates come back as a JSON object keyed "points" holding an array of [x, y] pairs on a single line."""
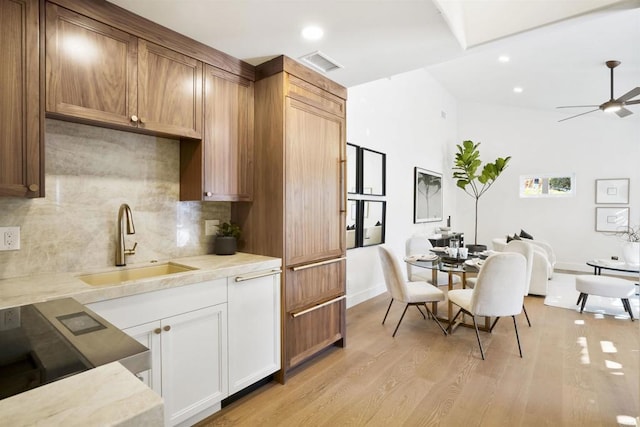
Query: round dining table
{"points": [[452, 267]]}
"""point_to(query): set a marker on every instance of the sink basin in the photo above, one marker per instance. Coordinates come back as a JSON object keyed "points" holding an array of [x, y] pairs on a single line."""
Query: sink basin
{"points": [[136, 273]]}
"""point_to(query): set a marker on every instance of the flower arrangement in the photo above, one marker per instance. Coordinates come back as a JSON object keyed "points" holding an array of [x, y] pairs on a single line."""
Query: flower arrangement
{"points": [[630, 234]]}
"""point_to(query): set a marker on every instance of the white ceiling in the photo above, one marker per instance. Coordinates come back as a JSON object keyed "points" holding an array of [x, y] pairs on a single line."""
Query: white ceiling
{"points": [[557, 51]]}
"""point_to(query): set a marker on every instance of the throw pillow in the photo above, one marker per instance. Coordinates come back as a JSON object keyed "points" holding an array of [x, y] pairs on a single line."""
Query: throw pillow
{"points": [[525, 235]]}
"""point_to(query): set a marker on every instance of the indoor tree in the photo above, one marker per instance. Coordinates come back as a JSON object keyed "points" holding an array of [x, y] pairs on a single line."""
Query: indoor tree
{"points": [[474, 178]]}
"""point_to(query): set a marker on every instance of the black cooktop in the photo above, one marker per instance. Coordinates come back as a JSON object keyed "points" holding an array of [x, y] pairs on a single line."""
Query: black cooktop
{"points": [[44, 342]]}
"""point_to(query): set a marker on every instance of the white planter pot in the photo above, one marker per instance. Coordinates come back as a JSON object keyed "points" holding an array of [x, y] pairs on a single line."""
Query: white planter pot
{"points": [[631, 253]]}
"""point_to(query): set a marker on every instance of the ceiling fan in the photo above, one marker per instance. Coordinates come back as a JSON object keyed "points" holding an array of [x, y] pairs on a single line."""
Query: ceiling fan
{"points": [[612, 105]]}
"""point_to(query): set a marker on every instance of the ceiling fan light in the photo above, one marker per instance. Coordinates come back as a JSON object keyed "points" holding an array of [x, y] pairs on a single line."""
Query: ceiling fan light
{"points": [[612, 108]]}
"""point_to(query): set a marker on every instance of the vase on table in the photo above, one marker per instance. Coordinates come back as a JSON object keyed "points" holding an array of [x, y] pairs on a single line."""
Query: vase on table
{"points": [[631, 253]]}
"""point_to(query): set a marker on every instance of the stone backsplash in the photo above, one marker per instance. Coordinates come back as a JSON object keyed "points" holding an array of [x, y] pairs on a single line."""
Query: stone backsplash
{"points": [[90, 172]]}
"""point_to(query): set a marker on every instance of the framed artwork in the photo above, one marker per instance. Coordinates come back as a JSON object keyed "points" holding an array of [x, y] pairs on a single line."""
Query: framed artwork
{"points": [[612, 219], [612, 190], [427, 196], [548, 185]]}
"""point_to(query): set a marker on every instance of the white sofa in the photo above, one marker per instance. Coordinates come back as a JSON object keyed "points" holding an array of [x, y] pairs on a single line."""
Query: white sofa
{"points": [[544, 261]]}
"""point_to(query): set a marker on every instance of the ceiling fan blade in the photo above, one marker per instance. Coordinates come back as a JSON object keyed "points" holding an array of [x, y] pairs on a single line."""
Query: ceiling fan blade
{"points": [[623, 112], [578, 115], [578, 106], [637, 101], [631, 94]]}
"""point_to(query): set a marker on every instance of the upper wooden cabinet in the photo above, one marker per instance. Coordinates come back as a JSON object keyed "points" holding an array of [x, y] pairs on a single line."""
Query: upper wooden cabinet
{"points": [[220, 167], [21, 124], [97, 73]]}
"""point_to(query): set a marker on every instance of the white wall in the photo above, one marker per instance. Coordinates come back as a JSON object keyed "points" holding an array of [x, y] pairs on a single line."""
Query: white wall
{"points": [[402, 117], [593, 147]]}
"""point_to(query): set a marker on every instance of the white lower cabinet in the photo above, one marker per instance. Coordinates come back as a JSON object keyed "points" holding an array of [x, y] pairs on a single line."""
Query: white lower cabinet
{"points": [[207, 340], [254, 328], [189, 360]]}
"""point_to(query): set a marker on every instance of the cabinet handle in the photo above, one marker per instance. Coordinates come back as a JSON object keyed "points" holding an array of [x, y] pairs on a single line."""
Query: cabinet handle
{"points": [[208, 194], [157, 330], [315, 307], [255, 276], [134, 119], [167, 328], [142, 119], [343, 208], [317, 264], [34, 187]]}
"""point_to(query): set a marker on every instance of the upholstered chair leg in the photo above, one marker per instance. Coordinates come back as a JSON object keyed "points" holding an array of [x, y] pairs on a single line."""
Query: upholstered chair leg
{"points": [[525, 314], [452, 321], [493, 324], [475, 325], [579, 298], [584, 301], [388, 308], [627, 307], [515, 325], [423, 316], [431, 315], [400, 321]]}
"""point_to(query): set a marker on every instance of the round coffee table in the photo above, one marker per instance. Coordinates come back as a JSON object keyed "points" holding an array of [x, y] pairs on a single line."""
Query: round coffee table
{"points": [[600, 264]]}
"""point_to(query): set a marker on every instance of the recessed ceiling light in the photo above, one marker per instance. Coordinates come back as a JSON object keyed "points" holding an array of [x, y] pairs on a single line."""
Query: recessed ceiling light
{"points": [[518, 89], [504, 58], [312, 32]]}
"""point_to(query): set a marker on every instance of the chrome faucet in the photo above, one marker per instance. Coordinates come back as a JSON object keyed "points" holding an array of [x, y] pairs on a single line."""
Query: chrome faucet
{"points": [[121, 250]]}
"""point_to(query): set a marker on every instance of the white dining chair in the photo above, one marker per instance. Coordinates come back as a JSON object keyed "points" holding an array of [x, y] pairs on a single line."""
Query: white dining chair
{"points": [[411, 293], [499, 292], [520, 247]]}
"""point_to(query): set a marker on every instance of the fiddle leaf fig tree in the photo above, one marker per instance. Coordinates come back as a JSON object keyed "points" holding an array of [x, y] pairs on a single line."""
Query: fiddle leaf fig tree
{"points": [[474, 177]]}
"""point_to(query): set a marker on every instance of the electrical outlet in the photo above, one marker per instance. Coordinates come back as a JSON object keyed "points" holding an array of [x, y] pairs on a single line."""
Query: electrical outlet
{"points": [[211, 227], [9, 318], [9, 238]]}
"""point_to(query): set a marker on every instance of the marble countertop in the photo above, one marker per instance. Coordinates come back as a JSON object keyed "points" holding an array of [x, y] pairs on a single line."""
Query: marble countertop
{"points": [[108, 395], [44, 287]]}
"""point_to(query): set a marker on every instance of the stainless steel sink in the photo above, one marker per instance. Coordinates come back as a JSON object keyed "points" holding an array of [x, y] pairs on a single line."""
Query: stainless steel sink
{"points": [[136, 273]]}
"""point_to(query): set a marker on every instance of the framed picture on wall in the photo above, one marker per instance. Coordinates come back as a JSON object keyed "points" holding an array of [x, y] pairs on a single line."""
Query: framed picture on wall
{"points": [[427, 196], [612, 190], [612, 219]]}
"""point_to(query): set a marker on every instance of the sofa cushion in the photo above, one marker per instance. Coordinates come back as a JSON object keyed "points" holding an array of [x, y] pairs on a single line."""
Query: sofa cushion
{"points": [[525, 235]]}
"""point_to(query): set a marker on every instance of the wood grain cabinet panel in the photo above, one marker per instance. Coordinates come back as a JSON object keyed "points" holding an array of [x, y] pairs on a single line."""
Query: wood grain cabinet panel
{"points": [[21, 170], [220, 168], [96, 73], [299, 200], [169, 91], [314, 183], [91, 69]]}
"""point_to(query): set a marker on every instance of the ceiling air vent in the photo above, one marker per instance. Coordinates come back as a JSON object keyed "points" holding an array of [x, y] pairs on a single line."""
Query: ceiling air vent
{"points": [[320, 62]]}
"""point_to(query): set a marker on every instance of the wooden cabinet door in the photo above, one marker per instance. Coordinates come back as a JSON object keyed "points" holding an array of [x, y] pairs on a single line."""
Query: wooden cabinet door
{"points": [[21, 172], [194, 362], [315, 148], [169, 91], [90, 69], [254, 328], [228, 136]]}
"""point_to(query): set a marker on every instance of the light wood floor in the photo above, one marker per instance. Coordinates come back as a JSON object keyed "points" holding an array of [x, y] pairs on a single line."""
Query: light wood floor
{"points": [[577, 370]]}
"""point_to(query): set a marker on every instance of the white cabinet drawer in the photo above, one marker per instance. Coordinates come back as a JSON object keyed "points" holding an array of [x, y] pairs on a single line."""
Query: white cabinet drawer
{"points": [[135, 310]]}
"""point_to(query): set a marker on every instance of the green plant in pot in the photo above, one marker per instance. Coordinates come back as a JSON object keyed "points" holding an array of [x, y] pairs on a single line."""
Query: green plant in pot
{"points": [[226, 242], [475, 178]]}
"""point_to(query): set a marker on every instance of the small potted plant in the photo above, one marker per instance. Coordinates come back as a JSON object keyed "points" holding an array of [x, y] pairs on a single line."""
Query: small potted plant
{"points": [[226, 242]]}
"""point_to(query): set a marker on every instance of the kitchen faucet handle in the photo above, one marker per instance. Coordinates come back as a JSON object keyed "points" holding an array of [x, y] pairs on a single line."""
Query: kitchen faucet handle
{"points": [[131, 251]]}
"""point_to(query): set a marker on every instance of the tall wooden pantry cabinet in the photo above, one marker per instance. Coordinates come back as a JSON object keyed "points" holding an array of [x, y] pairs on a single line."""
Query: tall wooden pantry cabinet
{"points": [[298, 208]]}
